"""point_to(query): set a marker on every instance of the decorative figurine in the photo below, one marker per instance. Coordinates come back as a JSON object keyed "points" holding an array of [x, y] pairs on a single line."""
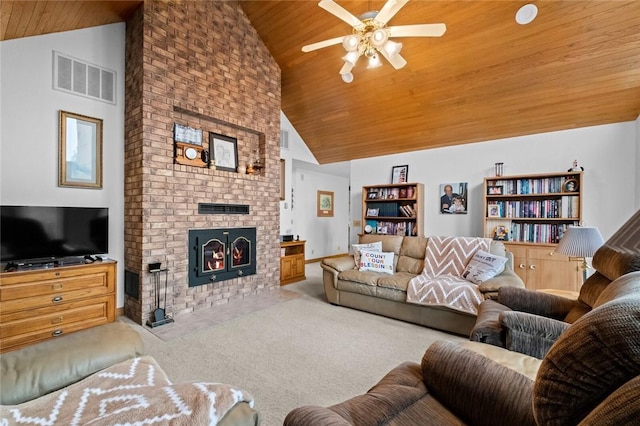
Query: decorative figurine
{"points": [[575, 167]]}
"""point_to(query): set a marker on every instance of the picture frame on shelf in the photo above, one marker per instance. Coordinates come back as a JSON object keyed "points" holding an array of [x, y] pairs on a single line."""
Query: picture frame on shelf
{"points": [[373, 212], [501, 233], [570, 185], [399, 174], [79, 151], [493, 210], [325, 204], [187, 134], [224, 152], [495, 190]]}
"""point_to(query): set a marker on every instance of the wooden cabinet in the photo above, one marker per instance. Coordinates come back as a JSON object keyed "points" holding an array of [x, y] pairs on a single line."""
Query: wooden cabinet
{"points": [[41, 304], [530, 213], [395, 209], [543, 268], [292, 262]]}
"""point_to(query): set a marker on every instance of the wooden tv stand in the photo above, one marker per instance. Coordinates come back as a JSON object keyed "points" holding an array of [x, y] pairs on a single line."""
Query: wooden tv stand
{"points": [[41, 304]]}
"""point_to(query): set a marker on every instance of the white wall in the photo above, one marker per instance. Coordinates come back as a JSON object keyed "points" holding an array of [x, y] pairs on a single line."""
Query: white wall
{"points": [[29, 126], [608, 153]]}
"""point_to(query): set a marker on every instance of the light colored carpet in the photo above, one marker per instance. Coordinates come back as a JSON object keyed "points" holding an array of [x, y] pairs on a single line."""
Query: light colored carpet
{"points": [[303, 351]]}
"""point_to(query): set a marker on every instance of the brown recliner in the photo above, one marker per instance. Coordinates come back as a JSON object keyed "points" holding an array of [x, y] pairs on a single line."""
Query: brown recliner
{"points": [[591, 376], [529, 322]]}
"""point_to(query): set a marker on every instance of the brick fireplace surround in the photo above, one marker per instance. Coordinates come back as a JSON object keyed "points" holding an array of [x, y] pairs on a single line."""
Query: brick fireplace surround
{"points": [[200, 64]]}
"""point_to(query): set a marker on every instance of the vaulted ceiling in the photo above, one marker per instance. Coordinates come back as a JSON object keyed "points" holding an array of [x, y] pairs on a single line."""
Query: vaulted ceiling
{"points": [[577, 64]]}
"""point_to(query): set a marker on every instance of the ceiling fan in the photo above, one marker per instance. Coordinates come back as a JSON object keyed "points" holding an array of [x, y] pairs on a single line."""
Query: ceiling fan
{"points": [[371, 36]]}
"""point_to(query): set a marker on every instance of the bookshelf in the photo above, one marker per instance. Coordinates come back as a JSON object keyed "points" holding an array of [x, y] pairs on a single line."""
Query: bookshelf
{"points": [[530, 213], [394, 209]]}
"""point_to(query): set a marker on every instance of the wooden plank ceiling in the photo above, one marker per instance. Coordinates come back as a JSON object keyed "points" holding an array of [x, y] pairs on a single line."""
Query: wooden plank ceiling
{"points": [[576, 65]]}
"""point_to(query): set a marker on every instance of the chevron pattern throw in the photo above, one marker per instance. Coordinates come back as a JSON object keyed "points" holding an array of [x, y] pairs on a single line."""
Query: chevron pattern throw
{"points": [[440, 282]]}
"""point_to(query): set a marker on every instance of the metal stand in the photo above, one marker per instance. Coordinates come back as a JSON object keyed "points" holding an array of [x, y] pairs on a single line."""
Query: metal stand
{"points": [[159, 316]]}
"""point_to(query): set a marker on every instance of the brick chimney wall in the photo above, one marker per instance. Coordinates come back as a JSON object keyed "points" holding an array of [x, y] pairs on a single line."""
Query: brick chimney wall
{"points": [[199, 64]]}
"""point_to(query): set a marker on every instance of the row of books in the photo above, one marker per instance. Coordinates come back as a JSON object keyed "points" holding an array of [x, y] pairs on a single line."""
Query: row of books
{"points": [[531, 186], [537, 233], [391, 210], [567, 206], [391, 193], [393, 228]]}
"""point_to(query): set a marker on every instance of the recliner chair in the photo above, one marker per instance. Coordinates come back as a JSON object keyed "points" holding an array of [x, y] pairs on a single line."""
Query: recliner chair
{"points": [[529, 322]]}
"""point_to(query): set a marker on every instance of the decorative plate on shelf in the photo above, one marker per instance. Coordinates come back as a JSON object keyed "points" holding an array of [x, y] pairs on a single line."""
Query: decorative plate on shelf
{"points": [[190, 153], [368, 229]]}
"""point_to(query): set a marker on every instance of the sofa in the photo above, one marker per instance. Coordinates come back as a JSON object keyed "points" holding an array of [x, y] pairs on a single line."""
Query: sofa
{"points": [[530, 322], [101, 376], [386, 295], [590, 376]]}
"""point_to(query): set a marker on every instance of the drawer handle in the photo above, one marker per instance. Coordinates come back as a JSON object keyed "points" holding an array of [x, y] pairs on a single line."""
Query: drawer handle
{"points": [[532, 267], [57, 299], [57, 286], [552, 253], [57, 333], [522, 266]]}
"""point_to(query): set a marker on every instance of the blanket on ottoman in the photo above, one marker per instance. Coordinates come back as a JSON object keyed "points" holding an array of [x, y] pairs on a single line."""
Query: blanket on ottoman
{"points": [[441, 281], [135, 391]]}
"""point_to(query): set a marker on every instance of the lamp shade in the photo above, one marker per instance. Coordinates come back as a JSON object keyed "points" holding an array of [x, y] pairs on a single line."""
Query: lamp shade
{"points": [[580, 241]]}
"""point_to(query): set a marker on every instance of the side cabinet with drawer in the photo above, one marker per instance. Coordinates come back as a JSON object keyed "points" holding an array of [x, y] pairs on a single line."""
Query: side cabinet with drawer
{"points": [[42, 304]]}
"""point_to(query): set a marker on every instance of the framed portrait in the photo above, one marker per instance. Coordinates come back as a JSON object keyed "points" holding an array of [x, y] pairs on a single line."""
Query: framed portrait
{"points": [[493, 210], [282, 174], [187, 134], [223, 150], [399, 174], [80, 151], [570, 185], [325, 204], [454, 198], [495, 190]]}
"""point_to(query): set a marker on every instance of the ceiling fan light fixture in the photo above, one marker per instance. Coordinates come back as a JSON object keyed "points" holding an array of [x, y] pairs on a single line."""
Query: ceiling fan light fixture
{"points": [[351, 43], [347, 77], [526, 14], [392, 48], [351, 57], [379, 37], [374, 61]]}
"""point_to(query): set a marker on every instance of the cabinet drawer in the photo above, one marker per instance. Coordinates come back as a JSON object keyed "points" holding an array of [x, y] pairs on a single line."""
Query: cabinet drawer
{"points": [[53, 318], [24, 339], [546, 253], [52, 299], [52, 286]]}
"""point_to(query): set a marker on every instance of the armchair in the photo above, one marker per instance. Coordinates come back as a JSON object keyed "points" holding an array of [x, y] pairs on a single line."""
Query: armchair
{"points": [[590, 376], [530, 322]]}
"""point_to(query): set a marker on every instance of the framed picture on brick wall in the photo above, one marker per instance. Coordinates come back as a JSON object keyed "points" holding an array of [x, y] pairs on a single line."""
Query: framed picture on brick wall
{"points": [[224, 152]]}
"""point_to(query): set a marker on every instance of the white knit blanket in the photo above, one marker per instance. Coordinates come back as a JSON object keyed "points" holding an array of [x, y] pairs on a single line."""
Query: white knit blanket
{"points": [[133, 392], [440, 282]]}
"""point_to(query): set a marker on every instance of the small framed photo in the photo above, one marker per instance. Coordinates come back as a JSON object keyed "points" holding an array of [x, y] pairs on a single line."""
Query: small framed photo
{"points": [[325, 204], [80, 151], [224, 152], [493, 210], [495, 190], [399, 174], [570, 185], [501, 233], [373, 212]]}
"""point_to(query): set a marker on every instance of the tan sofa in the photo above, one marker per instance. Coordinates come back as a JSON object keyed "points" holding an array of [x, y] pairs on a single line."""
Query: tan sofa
{"points": [[386, 295], [590, 376], [100, 376]]}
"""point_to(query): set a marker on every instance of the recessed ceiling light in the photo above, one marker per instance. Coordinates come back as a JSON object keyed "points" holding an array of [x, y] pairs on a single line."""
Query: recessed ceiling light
{"points": [[526, 14]]}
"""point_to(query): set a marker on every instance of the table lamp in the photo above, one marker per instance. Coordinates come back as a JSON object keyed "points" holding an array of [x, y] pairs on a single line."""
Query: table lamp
{"points": [[580, 242]]}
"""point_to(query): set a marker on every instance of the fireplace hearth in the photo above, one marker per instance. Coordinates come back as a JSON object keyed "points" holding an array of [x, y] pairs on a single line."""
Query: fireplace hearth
{"points": [[221, 254]]}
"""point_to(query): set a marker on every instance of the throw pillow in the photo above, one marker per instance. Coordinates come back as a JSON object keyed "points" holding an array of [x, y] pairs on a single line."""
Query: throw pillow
{"points": [[376, 261], [377, 246], [483, 265]]}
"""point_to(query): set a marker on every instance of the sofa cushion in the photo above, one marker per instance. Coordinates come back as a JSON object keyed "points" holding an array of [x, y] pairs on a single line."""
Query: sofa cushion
{"points": [[376, 261], [361, 277], [397, 281], [357, 250], [483, 266], [412, 253], [389, 242], [613, 263]]}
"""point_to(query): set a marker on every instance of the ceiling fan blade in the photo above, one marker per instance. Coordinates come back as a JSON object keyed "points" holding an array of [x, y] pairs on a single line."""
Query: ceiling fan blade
{"points": [[321, 44], [396, 60], [388, 11], [340, 12], [418, 30]]}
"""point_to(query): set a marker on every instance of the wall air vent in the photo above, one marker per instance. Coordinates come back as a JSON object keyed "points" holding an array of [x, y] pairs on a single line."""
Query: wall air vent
{"points": [[214, 208], [81, 78], [284, 139]]}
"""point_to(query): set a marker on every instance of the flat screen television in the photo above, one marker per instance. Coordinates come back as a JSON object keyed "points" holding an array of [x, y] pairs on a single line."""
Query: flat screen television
{"points": [[41, 233]]}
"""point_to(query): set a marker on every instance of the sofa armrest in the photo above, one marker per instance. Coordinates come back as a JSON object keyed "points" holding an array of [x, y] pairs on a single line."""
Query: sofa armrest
{"points": [[477, 389], [530, 334], [313, 415], [338, 264], [487, 328], [535, 302], [508, 278]]}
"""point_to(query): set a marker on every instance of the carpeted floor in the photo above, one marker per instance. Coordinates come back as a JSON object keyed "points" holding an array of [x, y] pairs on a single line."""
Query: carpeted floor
{"points": [[298, 350]]}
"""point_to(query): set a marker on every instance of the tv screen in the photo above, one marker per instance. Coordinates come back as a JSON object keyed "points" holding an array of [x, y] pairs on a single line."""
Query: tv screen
{"points": [[42, 232]]}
